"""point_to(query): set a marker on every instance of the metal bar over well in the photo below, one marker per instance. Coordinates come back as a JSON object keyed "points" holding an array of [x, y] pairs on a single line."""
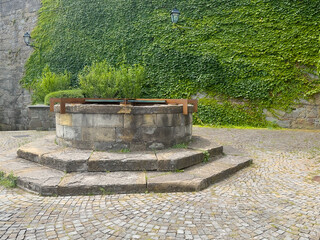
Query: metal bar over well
{"points": [[64, 101]]}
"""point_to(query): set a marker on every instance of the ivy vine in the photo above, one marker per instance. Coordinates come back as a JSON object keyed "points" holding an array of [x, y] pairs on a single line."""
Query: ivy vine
{"points": [[264, 52]]}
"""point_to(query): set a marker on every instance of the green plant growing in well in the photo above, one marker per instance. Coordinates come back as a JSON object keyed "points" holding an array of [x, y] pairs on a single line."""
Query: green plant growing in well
{"points": [[49, 82], [105, 81], [73, 93], [99, 80], [8, 181], [130, 80]]}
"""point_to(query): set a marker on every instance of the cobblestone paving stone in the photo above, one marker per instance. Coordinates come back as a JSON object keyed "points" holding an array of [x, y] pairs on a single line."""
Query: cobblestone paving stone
{"points": [[275, 198]]}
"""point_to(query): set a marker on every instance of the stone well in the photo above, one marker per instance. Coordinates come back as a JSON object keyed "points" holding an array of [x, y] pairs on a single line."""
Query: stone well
{"points": [[105, 127]]}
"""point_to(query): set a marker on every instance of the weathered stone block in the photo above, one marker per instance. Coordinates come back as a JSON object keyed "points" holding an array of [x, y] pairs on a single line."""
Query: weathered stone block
{"points": [[136, 121], [203, 144], [302, 123], [311, 112], [105, 146], [173, 182], [34, 151], [165, 120], [35, 124], [189, 129], [64, 119], [98, 134], [106, 161], [71, 133], [101, 183], [68, 160], [180, 131], [170, 160], [59, 131], [156, 146], [102, 120], [126, 135]]}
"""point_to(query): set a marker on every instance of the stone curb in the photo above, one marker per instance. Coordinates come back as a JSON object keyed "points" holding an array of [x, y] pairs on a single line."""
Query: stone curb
{"points": [[47, 153], [51, 170], [50, 182]]}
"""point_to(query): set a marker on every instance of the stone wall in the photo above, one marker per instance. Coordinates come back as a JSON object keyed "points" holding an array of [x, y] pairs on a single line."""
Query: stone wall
{"points": [[304, 115], [40, 118], [103, 127], [16, 18]]}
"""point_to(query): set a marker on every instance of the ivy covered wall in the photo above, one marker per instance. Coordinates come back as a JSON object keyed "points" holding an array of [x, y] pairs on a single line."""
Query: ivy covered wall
{"points": [[263, 53]]}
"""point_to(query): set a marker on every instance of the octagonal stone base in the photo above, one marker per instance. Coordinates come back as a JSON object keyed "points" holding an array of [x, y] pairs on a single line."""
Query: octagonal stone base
{"points": [[49, 169]]}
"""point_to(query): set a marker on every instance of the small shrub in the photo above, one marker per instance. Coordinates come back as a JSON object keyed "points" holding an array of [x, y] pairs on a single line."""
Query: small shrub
{"points": [[50, 82], [8, 181], [74, 93], [101, 80]]}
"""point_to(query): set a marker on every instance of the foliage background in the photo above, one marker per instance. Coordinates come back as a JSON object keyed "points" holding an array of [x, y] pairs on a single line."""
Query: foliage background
{"points": [[261, 52]]}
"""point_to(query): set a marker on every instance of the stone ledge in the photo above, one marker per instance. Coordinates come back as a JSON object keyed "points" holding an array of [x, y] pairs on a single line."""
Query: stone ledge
{"points": [[34, 151], [48, 153], [106, 161], [102, 183], [113, 109], [51, 182]]}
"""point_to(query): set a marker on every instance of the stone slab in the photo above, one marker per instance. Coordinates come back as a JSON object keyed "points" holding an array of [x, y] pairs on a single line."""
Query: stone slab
{"points": [[174, 159], [102, 183], [108, 161], [42, 180], [197, 177], [32, 176], [16, 165], [173, 182], [8, 155], [68, 160], [33, 151], [204, 144], [217, 170]]}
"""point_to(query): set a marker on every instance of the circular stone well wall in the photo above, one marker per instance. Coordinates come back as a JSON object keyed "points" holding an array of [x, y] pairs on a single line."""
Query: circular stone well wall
{"points": [[105, 127]]}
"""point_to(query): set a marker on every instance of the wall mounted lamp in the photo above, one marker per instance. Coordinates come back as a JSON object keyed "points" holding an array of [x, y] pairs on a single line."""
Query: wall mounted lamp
{"points": [[27, 40], [175, 13]]}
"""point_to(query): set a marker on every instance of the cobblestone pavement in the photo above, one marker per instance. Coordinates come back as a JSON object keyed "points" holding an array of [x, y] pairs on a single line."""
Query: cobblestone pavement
{"points": [[276, 198]]}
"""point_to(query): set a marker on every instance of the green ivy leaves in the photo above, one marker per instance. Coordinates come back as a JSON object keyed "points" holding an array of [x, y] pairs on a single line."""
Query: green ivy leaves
{"points": [[261, 51]]}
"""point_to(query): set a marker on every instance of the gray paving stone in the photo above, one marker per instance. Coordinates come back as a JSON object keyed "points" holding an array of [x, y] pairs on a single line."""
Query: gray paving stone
{"points": [[274, 194]]}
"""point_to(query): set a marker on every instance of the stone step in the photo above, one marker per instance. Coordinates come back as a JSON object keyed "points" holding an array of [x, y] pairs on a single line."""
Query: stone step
{"points": [[32, 176], [197, 177], [46, 152], [51, 182]]}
